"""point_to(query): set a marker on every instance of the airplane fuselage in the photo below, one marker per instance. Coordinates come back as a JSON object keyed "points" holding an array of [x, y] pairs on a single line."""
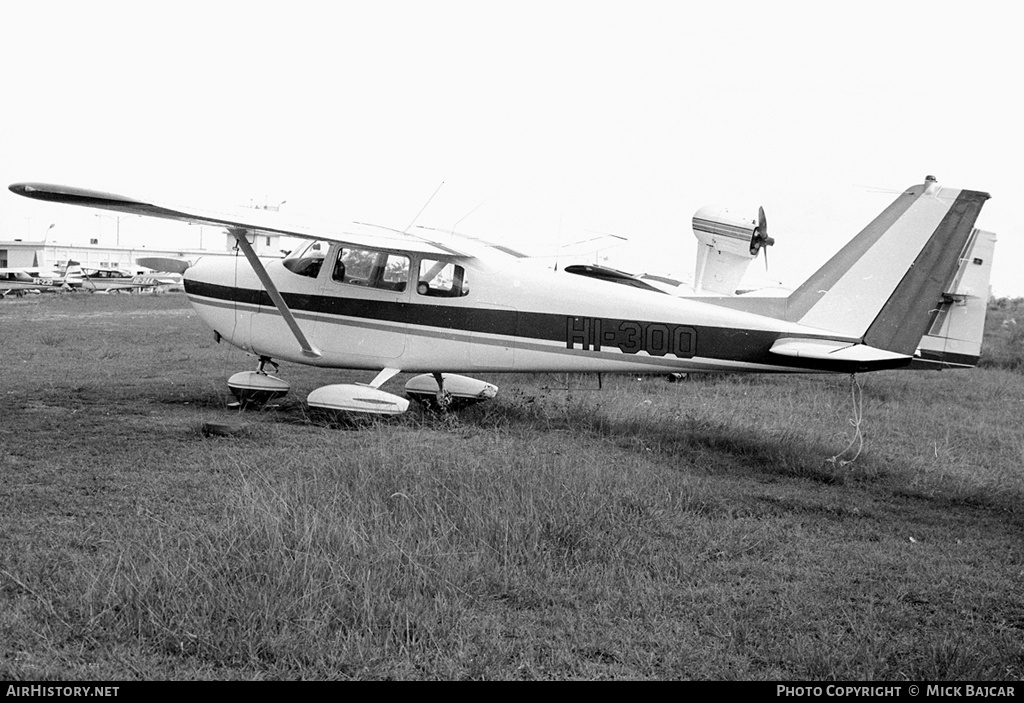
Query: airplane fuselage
{"points": [[514, 317]]}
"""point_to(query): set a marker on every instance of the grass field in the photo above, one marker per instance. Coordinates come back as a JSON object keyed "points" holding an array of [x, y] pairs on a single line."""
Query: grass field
{"points": [[710, 529]]}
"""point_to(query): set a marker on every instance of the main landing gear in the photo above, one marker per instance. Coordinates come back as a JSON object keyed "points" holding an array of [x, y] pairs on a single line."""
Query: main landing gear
{"points": [[448, 391]]}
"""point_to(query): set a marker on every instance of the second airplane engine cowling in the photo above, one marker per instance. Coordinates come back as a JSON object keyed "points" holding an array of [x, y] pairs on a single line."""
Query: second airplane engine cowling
{"points": [[726, 231]]}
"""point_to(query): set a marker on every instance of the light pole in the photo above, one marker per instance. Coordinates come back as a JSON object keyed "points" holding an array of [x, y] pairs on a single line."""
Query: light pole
{"points": [[117, 230]]}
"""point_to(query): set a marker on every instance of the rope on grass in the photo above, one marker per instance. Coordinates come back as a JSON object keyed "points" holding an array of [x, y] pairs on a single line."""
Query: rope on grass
{"points": [[857, 396]]}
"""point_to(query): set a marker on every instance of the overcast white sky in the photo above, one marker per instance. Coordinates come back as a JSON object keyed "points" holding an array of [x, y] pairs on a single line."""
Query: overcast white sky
{"points": [[545, 121]]}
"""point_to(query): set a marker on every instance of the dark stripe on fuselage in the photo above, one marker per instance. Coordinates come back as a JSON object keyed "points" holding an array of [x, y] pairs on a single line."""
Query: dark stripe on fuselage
{"points": [[586, 334]]}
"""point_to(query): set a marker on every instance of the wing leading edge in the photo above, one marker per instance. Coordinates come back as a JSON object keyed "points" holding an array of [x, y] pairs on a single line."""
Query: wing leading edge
{"points": [[259, 222]]}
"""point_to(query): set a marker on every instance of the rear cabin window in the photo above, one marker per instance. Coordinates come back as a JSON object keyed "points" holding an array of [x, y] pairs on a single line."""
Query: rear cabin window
{"points": [[307, 260], [442, 279], [374, 269]]}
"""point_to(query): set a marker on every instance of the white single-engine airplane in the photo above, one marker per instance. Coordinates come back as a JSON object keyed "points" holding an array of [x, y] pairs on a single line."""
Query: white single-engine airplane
{"points": [[112, 280], [27, 280], [366, 297]]}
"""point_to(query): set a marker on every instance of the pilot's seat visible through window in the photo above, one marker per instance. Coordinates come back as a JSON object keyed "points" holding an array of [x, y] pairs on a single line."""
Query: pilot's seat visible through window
{"points": [[309, 267], [308, 260]]}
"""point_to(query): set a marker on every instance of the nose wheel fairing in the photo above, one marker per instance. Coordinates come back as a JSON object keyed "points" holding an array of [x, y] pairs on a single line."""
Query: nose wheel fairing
{"points": [[258, 387]]}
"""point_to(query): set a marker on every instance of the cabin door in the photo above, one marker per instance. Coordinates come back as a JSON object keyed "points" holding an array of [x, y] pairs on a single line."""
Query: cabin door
{"points": [[360, 306]]}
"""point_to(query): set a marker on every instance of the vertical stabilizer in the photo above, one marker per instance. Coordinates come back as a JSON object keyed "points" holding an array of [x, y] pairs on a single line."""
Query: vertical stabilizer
{"points": [[884, 286]]}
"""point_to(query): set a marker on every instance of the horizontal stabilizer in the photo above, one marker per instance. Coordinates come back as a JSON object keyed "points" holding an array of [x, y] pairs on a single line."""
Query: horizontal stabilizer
{"points": [[860, 356]]}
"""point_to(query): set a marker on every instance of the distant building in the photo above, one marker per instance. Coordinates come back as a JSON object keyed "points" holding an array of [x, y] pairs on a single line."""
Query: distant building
{"points": [[54, 255]]}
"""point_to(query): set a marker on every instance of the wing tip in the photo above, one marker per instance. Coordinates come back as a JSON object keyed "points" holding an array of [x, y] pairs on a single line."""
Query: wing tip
{"points": [[68, 194]]}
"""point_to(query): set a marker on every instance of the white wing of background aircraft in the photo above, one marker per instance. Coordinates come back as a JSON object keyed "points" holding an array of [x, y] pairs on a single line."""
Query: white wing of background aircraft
{"points": [[364, 297]]}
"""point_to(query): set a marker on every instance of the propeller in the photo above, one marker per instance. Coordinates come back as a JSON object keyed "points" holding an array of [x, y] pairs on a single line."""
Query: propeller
{"points": [[761, 240]]}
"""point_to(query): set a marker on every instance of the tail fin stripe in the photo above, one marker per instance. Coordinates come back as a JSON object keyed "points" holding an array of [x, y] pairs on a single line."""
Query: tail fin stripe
{"points": [[905, 317]]}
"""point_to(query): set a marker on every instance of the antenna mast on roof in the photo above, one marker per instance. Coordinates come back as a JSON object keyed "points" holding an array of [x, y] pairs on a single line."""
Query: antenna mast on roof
{"points": [[409, 226]]}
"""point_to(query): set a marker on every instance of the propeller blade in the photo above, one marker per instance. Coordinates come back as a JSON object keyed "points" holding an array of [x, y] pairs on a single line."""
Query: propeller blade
{"points": [[760, 240]]}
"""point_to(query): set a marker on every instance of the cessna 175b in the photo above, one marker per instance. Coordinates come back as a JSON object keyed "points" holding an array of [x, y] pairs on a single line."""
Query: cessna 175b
{"points": [[366, 297]]}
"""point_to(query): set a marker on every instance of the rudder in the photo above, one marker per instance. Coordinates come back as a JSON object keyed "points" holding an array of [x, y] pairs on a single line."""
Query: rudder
{"points": [[954, 338], [882, 288]]}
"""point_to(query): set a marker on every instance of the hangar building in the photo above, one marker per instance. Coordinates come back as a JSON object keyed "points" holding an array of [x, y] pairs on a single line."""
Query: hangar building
{"points": [[18, 253]]}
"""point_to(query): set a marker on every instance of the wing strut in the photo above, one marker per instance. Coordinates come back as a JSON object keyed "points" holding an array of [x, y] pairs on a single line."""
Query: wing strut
{"points": [[239, 233]]}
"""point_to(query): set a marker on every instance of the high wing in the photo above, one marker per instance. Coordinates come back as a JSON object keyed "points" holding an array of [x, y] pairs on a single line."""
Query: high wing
{"points": [[253, 221], [242, 224]]}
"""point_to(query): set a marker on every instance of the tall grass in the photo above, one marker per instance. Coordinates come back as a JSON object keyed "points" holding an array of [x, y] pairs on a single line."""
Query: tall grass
{"points": [[1003, 345], [361, 558]]}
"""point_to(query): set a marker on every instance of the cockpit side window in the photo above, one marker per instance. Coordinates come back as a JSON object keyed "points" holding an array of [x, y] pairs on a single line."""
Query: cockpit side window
{"points": [[442, 279], [307, 260], [374, 269]]}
